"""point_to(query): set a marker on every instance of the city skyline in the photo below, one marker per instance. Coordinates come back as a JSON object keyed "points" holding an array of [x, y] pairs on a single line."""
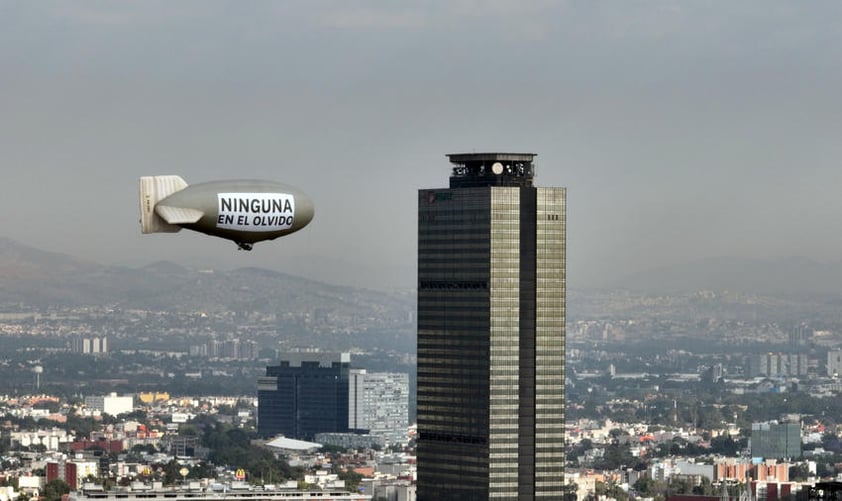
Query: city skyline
{"points": [[686, 131]]}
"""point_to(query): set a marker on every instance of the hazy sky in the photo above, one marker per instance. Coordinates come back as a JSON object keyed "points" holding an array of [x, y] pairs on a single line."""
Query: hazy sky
{"points": [[682, 129]]}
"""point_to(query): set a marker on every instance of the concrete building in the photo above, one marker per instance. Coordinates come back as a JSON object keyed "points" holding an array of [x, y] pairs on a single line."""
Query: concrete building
{"points": [[666, 469], [305, 394], [776, 440], [72, 472], [391, 490], [732, 470], [834, 363], [90, 345], [800, 336], [379, 404], [51, 439], [491, 329], [778, 364], [351, 440], [770, 470], [112, 404], [741, 470]]}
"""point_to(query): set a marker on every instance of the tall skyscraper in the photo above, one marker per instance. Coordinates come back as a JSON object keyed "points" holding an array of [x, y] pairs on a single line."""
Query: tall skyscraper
{"points": [[491, 328], [379, 404], [305, 394]]}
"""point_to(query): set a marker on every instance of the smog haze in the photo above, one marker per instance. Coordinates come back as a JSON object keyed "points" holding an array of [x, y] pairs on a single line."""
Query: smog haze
{"points": [[682, 130]]}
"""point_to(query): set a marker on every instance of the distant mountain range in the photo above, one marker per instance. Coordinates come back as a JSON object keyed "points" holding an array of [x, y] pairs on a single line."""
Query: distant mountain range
{"points": [[784, 276], [35, 277]]}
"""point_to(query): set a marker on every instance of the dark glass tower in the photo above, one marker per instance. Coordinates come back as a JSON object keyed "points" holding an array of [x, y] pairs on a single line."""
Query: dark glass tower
{"points": [[305, 394], [491, 328]]}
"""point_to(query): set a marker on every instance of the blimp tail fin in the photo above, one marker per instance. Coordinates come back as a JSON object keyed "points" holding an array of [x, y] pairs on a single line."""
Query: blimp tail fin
{"points": [[152, 190], [179, 215]]}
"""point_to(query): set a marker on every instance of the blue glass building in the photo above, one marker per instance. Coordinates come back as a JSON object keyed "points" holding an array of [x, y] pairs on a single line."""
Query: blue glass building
{"points": [[305, 394]]}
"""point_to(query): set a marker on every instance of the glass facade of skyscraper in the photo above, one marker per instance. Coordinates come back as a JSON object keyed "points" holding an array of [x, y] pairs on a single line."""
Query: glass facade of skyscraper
{"points": [[491, 323], [775, 440]]}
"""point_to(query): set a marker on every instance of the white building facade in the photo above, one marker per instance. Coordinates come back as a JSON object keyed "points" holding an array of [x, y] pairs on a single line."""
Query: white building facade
{"points": [[379, 402], [111, 404]]}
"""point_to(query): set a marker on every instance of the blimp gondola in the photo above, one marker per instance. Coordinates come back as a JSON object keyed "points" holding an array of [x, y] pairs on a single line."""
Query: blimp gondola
{"points": [[244, 211]]}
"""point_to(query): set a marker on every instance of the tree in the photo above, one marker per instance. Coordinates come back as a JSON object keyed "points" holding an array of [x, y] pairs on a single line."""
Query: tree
{"points": [[645, 486], [83, 426], [109, 419], [202, 470], [680, 486], [569, 492], [147, 448], [615, 456], [50, 405], [138, 415], [830, 442], [616, 433], [799, 472], [725, 445], [55, 489], [171, 472], [610, 490], [352, 479], [232, 447], [705, 487], [188, 430]]}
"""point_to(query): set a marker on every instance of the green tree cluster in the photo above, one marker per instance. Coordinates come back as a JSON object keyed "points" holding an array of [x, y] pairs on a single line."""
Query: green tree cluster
{"points": [[55, 489], [231, 447], [352, 479]]}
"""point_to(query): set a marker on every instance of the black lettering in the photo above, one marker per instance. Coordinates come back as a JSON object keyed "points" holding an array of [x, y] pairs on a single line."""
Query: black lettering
{"points": [[256, 205], [229, 219]]}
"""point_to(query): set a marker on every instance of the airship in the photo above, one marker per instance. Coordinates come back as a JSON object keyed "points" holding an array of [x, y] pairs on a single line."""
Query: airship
{"points": [[244, 211]]}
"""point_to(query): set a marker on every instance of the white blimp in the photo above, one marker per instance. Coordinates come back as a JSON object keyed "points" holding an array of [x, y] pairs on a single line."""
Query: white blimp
{"points": [[245, 211]]}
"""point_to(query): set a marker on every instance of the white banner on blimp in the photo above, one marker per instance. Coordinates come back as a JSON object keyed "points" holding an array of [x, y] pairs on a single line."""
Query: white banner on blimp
{"points": [[256, 211]]}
